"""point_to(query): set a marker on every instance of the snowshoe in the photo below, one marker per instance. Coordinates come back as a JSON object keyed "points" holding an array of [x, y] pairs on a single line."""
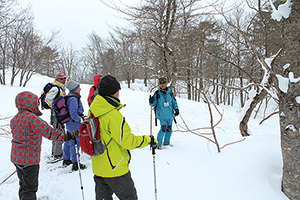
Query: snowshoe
{"points": [[54, 159]]}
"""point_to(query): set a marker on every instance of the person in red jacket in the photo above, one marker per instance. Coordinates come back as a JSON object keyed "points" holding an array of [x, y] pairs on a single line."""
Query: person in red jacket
{"points": [[92, 95], [27, 130]]}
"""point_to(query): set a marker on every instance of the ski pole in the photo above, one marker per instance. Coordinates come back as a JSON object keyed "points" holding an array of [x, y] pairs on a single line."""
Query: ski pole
{"points": [[8, 177], [80, 178], [153, 154]]}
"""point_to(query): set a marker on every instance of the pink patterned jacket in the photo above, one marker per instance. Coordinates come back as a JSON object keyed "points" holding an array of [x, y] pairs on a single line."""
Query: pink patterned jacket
{"points": [[27, 130]]}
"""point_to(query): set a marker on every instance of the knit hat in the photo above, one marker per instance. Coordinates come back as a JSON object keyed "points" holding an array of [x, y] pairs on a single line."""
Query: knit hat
{"points": [[162, 79], [72, 86], [108, 86], [60, 75]]}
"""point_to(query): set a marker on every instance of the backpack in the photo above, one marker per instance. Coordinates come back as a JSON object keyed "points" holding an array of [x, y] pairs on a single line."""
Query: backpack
{"points": [[46, 89], [157, 97], [90, 138], [60, 107]]}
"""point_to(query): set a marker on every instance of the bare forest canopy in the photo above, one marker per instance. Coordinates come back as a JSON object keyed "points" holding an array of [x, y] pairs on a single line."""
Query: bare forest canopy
{"points": [[193, 43]]}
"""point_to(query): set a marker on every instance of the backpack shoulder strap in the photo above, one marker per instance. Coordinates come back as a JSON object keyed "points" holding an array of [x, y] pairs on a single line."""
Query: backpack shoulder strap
{"points": [[157, 94]]}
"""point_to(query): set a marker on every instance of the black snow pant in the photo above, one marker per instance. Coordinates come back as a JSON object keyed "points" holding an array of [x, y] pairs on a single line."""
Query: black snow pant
{"points": [[122, 186], [28, 181]]}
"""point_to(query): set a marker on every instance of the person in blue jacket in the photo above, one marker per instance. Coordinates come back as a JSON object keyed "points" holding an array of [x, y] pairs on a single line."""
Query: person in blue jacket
{"points": [[75, 109], [166, 107]]}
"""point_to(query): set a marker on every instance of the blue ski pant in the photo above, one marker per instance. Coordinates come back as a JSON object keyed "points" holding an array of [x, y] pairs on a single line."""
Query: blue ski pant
{"points": [[69, 152], [165, 132]]}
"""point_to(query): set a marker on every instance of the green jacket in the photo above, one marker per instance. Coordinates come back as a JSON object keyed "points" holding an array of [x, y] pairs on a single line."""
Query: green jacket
{"points": [[115, 159]]}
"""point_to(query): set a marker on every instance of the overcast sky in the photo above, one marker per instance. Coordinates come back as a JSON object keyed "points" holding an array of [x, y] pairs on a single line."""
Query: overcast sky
{"points": [[75, 18]]}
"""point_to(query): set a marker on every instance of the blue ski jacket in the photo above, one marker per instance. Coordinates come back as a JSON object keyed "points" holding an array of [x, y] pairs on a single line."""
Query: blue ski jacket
{"points": [[75, 109], [165, 104]]}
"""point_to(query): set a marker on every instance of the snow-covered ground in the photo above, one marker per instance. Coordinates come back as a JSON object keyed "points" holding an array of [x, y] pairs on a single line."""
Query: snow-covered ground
{"points": [[191, 169]]}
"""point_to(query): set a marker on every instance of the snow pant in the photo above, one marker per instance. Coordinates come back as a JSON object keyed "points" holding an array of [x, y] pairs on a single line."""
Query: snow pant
{"points": [[69, 152], [165, 132], [28, 181], [122, 186], [56, 146]]}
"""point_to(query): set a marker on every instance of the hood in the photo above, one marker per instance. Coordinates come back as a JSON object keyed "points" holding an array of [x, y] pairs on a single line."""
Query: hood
{"points": [[101, 106], [28, 101], [96, 79]]}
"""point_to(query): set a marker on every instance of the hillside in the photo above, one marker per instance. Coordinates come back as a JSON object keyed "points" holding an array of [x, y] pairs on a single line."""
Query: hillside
{"points": [[191, 169]]}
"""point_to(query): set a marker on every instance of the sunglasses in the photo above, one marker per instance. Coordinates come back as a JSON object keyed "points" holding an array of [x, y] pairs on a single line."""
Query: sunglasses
{"points": [[162, 82], [63, 78]]}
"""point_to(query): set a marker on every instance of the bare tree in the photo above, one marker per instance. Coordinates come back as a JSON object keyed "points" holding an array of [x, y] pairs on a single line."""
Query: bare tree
{"points": [[69, 61]]}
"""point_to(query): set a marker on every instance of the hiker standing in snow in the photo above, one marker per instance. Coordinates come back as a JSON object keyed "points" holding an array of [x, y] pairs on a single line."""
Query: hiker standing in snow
{"points": [[166, 107], [27, 131], [60, 81], [75, 109], [93, 89], [111, 170]]}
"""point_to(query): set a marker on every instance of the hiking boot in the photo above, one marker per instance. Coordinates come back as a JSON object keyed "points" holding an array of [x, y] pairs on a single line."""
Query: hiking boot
{"points": [[166, 144], [75, 166], [58, 156], [67, 162], [159, 147]]}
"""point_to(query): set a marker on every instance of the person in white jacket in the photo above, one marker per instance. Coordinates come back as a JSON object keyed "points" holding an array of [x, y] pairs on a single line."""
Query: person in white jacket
{"points": [[60, 81]]}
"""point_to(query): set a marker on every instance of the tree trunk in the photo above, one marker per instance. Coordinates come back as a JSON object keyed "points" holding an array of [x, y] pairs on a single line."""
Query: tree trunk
{"points": [[290, 142], [244, 123], [289, 108]]}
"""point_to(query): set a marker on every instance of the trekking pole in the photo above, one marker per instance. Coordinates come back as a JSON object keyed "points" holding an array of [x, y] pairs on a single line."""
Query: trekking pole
{"points": [[153, 154], [80, 178], [8, 177]]}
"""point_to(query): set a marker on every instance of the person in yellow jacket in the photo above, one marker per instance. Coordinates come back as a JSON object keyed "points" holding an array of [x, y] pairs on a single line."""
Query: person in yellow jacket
{"points": [[60, 81], [111, 169]]}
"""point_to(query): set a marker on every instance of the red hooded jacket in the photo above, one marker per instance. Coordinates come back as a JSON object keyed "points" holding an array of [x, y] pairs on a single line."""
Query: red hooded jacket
{"points": [[27, 130], [94, 87]]}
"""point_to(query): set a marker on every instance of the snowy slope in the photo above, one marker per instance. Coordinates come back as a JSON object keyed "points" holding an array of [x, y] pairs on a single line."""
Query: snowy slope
{"points": [[191, 169]]}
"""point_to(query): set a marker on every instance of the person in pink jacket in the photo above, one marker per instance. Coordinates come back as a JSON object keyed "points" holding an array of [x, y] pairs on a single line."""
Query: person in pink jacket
{"points": [[27, 131]]}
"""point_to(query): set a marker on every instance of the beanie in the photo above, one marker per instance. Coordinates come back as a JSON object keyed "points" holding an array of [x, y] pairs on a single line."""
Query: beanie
{"points": [[72, 86], [108, 86]]}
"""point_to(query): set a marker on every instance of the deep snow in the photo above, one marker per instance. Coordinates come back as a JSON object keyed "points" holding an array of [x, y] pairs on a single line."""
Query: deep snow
{"points": [[191, 169]]}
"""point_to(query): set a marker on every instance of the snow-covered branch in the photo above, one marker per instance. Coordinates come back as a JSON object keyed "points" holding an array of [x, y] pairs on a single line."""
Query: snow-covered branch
{"points": [[284, 10], [292, 79]]}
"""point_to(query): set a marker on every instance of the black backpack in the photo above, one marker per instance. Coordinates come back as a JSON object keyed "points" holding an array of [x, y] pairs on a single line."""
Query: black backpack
{"points": [[46, 89]]}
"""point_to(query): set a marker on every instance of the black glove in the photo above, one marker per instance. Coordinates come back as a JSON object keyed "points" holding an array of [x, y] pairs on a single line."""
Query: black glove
{"points": [[176, 113], [151, 99], [153, 142]]}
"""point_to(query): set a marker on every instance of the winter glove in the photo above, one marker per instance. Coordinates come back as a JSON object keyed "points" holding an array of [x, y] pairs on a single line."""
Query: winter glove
{"points": [[68, 137], [75, 133], [151, 99], [153, 142], [176, 113]]}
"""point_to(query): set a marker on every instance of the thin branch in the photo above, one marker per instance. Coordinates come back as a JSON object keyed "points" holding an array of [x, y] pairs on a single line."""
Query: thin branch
{"points": [[274, 113]]}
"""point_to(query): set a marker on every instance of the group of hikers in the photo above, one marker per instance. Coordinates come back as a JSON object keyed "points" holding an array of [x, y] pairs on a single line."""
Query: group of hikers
{"points": [[111, 169]]}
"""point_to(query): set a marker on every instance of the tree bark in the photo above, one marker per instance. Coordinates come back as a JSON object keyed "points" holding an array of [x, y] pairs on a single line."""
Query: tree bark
{"points": [[290, 142]]}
